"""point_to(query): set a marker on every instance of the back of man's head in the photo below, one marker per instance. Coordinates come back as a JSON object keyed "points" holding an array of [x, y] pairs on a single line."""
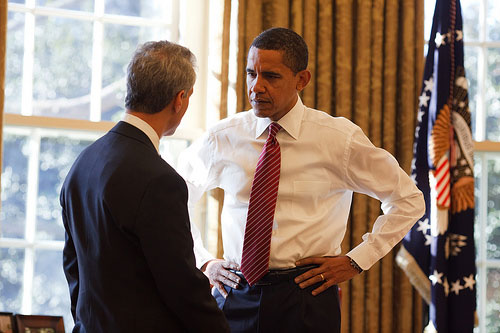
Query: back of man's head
{"points": [[156, 73], [293, 46]]}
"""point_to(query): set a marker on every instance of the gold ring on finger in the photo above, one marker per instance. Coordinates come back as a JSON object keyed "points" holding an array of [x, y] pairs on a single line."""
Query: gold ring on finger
{"points": [[322, 277]]}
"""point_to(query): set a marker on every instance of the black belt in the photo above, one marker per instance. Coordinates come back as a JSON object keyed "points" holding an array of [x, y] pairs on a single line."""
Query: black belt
{"points": [[275, 276]]}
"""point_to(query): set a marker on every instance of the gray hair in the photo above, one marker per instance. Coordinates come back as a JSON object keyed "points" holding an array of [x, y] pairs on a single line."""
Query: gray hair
{"points": [[156, 73]]}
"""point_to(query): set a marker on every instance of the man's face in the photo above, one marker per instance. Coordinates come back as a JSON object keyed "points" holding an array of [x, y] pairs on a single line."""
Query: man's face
{"points": [[272, 87]]}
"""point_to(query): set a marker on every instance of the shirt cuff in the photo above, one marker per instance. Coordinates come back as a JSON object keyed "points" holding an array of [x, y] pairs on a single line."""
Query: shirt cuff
{"points": [[365, 256], [355, 265]]}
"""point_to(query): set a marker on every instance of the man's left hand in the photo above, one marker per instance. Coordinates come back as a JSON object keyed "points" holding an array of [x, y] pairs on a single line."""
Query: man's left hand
{"points": [[331, 270]]}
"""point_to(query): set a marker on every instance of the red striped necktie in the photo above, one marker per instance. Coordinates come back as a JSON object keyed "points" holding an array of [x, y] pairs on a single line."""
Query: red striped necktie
{"points": [[257, 242]]}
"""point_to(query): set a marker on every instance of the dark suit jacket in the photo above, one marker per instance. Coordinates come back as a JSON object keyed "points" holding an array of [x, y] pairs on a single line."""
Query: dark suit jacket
{"points": [[128, 256]]}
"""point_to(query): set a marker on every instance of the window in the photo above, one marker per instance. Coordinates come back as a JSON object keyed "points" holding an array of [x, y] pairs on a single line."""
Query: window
{"points": [[482, 67], [65, 86]]}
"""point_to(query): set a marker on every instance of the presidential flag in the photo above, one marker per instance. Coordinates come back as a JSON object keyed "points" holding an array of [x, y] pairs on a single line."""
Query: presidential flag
{"points": [[438, 254]]}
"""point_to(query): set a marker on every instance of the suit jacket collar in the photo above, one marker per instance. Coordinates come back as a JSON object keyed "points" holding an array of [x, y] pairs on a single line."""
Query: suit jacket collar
{"points": [[143, 126], [134, 133]]}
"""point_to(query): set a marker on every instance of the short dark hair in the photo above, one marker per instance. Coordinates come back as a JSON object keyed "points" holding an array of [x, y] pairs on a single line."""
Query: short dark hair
{"points": [[156, 73], [295, 53]]}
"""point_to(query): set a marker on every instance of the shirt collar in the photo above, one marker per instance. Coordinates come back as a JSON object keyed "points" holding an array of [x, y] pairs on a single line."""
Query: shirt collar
{"points": [[145, 127], [290, 122]]}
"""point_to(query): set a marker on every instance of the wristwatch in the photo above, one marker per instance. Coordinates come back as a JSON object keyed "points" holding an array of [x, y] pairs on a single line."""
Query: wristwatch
{"points": [[355, 265]]}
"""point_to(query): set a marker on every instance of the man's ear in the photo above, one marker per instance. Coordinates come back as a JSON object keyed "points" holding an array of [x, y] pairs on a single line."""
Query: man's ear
{"points": [[304, 78], [178, 101]]}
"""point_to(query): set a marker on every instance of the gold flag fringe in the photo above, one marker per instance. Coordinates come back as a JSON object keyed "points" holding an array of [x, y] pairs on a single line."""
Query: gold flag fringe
{"points": [[462, 195], [440, 139]]}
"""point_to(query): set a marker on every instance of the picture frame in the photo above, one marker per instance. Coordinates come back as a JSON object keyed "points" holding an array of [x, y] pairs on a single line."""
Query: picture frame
{"points": [[7, 323], [39, 324]]}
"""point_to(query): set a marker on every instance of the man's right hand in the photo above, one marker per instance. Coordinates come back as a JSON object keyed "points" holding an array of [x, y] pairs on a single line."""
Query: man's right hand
{"points": [[219, 274]]}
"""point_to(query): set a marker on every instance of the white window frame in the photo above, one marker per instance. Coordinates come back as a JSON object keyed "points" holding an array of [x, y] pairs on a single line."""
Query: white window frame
{"points": [[194, 20], [482, 149]]}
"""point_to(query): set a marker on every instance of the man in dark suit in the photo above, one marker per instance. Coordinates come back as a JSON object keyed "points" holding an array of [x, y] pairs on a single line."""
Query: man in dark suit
{"points": [[128, 256]]}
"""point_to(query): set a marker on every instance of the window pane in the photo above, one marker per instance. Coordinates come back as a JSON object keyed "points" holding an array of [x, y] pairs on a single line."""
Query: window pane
{"points": [[493, 20], [493, 300], [50, 289], [63, 53], [171, 148], [56, 158], [14, 185], [471, 68], [470, 15], [143, 8], [82, 5], [120, 42], [429, 7], [11, 279], [492, 94], [14, 62], [493, 222], [16, 1], [477, 199]]}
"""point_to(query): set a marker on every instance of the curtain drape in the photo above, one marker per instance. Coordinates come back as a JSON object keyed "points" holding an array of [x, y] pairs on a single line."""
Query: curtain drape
{"points": [[366, 60]]}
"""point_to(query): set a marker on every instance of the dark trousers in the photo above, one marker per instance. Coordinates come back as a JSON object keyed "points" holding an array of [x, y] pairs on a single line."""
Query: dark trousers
{"points": [[277, 304]]}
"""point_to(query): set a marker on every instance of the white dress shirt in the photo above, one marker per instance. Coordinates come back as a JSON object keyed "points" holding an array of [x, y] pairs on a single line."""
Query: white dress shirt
{"points": [[144, 127], [324, 159]]}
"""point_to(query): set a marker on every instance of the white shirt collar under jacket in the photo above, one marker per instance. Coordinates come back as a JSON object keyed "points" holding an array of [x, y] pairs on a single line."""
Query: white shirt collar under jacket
{"points": [[144, 127]]}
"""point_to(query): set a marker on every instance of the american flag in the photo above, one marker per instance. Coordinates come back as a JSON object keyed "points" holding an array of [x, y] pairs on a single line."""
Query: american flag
{"points": [[438, 254]]}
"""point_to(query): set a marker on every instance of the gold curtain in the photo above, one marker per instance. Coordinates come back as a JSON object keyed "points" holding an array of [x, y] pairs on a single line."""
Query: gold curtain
{"points": [[366, 59]]}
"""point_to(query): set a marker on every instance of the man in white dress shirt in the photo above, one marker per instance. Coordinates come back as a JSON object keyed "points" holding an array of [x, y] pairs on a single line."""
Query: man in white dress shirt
{"points": [[324, 159]]}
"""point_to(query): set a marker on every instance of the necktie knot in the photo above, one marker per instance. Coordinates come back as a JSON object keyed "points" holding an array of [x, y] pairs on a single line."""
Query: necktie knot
{"points": [[273, 129]]}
